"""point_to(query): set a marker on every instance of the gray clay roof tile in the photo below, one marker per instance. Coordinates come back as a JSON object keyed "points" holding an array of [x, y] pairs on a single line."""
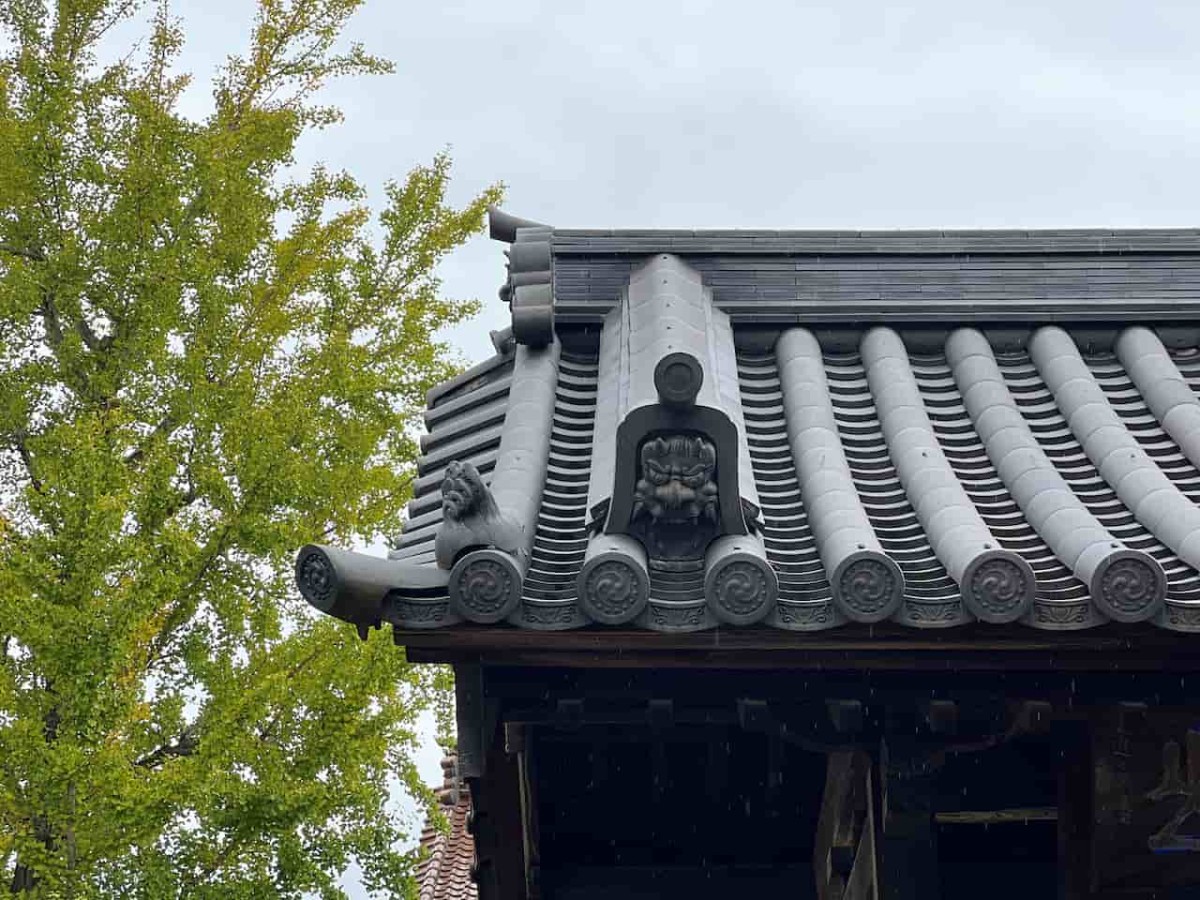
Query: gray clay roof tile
{"points": [[1027, 473], [1078, 465]]}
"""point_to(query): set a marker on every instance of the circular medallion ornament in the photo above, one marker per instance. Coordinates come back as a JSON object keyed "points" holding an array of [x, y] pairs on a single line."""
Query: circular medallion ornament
{"points": [[868, 586], [485, 586], [677, 378], [613, 589], [998, 586], [1129, 586], [316, 578], [741, 588]]}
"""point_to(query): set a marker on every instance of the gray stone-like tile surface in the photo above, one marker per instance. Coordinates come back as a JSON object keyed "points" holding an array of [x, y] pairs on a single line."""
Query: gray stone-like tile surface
{"points": [[1042, 466]]}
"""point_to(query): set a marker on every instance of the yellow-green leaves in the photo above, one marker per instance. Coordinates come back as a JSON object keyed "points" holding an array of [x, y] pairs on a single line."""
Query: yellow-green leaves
{"points": [[207, 359]]}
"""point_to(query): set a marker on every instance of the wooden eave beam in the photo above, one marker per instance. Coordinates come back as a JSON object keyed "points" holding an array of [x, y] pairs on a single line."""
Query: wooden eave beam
{"points": [[1132, 648]]}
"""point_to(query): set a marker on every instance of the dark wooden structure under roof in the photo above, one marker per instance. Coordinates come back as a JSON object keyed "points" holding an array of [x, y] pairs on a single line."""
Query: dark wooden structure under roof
{"points": [[829, 564]]}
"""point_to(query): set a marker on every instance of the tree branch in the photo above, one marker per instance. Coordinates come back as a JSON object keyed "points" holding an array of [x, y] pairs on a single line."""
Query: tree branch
{"points": [[165, 425], [54, 327], [185, 745], [123, 10], [33, 255], [27, 460], [233, 846], [25, 878], [49, 313], [89, 337], [184, 605]]}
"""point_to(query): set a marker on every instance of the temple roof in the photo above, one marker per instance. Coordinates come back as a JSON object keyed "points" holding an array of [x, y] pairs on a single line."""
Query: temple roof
{"points": [[687, 430], [448, 856]]}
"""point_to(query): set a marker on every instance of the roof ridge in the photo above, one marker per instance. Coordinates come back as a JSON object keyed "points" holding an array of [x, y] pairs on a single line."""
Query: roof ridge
{"points": [[899, 241], [880, 232]]}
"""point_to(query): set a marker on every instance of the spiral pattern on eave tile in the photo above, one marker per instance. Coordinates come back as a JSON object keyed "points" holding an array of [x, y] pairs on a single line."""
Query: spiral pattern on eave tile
{"points": [[486, 584], [805, 599], [867, 584], [1062, 441], [997, 585], [1127, 585]]}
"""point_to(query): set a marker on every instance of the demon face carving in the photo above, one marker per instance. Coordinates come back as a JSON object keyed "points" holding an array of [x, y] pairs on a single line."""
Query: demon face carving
{"points": [[675, 500]]}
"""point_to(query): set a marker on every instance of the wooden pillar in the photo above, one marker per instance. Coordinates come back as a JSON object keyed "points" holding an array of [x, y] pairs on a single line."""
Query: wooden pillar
{"points": [[1076, 795], [908, 840], [470, 717], [519, 741], [844, 861], [497, 823]]}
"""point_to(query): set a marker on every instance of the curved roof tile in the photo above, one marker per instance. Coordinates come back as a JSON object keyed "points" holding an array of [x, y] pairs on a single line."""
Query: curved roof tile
{"points": [[923, 451], [901, 472]]}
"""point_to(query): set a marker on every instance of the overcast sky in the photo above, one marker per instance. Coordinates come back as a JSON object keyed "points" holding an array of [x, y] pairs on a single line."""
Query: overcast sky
{"points": [[771, 114], [768, 115]]}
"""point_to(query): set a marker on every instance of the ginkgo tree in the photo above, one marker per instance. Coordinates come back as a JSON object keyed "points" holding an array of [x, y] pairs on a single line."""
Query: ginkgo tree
{"points": [[207, 359]]}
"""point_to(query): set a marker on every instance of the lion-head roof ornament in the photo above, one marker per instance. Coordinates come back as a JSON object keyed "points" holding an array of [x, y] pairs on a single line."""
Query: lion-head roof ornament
{"points": [[470, 518]]}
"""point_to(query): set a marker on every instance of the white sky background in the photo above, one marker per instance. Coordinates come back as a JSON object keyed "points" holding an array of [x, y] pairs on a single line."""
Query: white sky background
{"points": [[754, 114]]}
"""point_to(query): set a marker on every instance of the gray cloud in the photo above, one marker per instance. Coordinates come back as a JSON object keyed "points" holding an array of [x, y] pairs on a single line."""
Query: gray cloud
{"points": [[757, 114]]}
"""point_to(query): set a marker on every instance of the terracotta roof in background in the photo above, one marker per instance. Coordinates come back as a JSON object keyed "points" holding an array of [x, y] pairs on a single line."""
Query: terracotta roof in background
{"points": [[445, 871]]}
